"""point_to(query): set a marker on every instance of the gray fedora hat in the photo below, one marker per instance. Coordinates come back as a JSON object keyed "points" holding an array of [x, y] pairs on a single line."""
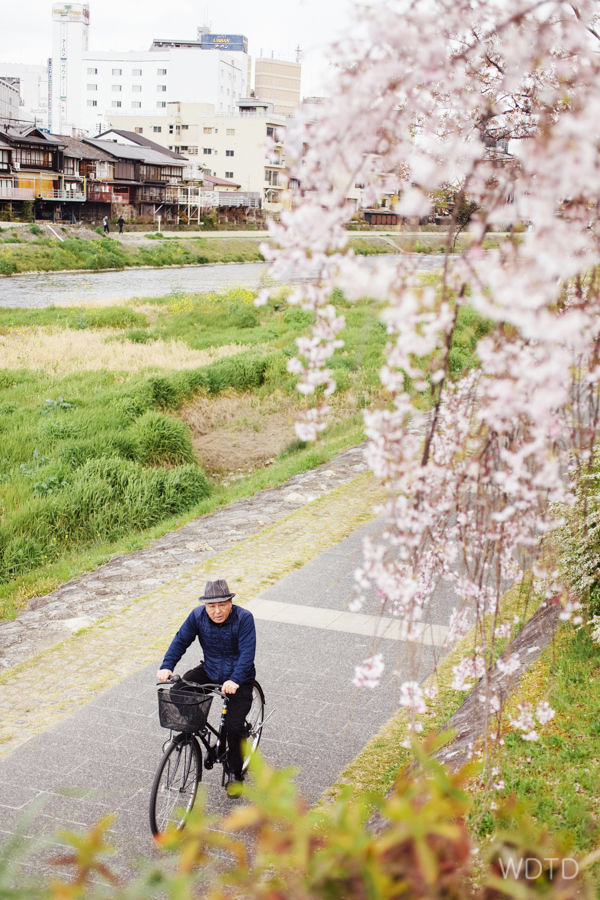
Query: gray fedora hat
{"points": [[216, 591]]}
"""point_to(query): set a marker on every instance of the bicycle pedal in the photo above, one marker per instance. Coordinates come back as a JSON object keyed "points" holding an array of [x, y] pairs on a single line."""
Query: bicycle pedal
{"points": [[208, 762]]}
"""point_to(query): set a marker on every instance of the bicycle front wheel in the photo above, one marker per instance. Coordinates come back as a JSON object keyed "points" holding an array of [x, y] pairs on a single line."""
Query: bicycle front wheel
{"points": [[175, 784], [254, 723]]}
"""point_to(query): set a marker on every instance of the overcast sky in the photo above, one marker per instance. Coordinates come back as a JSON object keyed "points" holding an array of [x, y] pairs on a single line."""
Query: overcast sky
{"points": [[277, 26]]}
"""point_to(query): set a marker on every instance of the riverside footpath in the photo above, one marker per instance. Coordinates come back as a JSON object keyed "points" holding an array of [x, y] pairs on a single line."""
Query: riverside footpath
{"points": [[80, 735]]}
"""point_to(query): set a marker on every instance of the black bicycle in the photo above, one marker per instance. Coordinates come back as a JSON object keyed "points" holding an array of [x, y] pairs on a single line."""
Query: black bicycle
{"points": [[183, 708]]}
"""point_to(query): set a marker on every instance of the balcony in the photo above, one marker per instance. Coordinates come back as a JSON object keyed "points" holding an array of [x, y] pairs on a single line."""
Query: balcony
{"points": [[99, 196], [62, 195], [8, 191]]}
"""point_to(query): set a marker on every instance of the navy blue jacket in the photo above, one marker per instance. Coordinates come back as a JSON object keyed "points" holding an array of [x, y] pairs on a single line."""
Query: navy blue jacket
{"points": [[228, 648]]}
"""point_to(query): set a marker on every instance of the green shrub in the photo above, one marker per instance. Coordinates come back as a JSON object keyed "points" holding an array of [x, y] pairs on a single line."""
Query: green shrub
{"points": [[184, 487], [244, 317], [138, 336], [27, 213], [21, 554], [7, 266], [57, 429], [241, 372], [163, 392], [298, 317], [161, 439], [35, 229]]}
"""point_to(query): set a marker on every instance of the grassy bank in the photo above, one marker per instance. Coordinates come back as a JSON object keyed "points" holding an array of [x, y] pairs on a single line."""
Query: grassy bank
{"points": [[44, 254], [28, 249], [546, 791], [120, 422], [557, 777]]}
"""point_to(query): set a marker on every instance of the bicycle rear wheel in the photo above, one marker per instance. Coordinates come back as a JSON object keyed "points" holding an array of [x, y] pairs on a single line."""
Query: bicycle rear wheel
{"points": [[175, 784], [254, 723]]}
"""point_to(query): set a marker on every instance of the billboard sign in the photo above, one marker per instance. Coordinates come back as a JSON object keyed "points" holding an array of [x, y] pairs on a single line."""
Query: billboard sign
{"points": [[71, 12], [224, 42]]}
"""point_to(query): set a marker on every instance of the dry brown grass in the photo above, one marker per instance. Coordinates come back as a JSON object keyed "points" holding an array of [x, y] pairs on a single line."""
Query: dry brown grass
{"points": [[60, 351], [239, 432]]}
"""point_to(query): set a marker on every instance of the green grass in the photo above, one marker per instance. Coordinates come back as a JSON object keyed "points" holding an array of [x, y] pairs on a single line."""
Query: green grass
{"points": [[558, 776], [45, 254]]}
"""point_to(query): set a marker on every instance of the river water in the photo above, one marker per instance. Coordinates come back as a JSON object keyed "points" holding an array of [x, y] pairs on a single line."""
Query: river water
{"points": [[60, 288]]}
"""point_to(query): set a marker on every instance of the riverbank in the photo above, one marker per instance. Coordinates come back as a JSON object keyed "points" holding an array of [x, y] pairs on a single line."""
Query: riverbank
{"points": [[43, 248]]}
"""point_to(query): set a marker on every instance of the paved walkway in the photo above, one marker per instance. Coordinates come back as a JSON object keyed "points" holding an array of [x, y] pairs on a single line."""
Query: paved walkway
{"points": [[80, 733]]}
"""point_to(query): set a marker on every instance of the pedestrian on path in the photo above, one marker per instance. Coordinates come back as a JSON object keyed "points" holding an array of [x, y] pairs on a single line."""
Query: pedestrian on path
{"points": [[120, 223], [227, 635], [105, 224]]}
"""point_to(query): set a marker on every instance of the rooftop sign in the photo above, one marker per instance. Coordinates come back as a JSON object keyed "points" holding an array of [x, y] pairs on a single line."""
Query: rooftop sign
{"points": [[72, 12], [224, 42]]}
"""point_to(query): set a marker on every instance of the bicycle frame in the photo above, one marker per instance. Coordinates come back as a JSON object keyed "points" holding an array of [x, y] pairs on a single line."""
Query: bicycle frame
{"points": [[216, 750]]}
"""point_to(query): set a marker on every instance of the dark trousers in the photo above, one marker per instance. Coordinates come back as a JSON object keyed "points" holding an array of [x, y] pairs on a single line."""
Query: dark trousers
{"points": [[238, 708]]}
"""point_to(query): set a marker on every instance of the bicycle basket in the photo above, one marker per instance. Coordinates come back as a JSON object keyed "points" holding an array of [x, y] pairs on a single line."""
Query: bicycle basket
{"points": [[181, 708]]}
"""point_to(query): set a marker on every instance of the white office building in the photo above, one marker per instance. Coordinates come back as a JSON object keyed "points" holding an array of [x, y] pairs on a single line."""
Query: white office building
{"points": [[10, 103], [31, 83], [88, 88]]}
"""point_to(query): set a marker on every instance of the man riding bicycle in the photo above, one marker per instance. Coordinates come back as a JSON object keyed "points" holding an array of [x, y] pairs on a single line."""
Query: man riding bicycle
{"points": [[227, 635]]}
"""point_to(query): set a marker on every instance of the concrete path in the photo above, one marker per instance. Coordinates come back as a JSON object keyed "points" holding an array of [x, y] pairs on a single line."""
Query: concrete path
{"points": [[80, 719]]}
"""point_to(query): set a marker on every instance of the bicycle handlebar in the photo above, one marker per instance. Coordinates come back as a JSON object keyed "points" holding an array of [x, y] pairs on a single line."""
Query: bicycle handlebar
{"points": [[206, 688]]}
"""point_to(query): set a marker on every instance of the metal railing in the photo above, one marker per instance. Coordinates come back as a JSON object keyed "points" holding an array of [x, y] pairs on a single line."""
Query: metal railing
{"points": [[56, 194]]}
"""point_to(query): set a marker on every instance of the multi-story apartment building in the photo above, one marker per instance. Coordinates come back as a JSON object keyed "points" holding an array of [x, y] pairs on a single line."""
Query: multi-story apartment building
{"points": [[278, 82], [247, 148], [88, 87]]}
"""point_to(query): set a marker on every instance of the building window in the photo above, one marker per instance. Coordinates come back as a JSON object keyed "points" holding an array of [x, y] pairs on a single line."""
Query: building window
{"points": [[207, 151], [117, 87], [28, 157], [161, 88], [161, 104], [230, 131], [136, 104], [229, 153], [136, 88], [185, 127], [116, 103], [228, 174], [136, 71], [92, 103], [161, 71], [92, 87], [171, 129], [193, 151], [157, 129], [139, 130], [92, 71], [271, 177], [207, 130], [117, 71]]}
